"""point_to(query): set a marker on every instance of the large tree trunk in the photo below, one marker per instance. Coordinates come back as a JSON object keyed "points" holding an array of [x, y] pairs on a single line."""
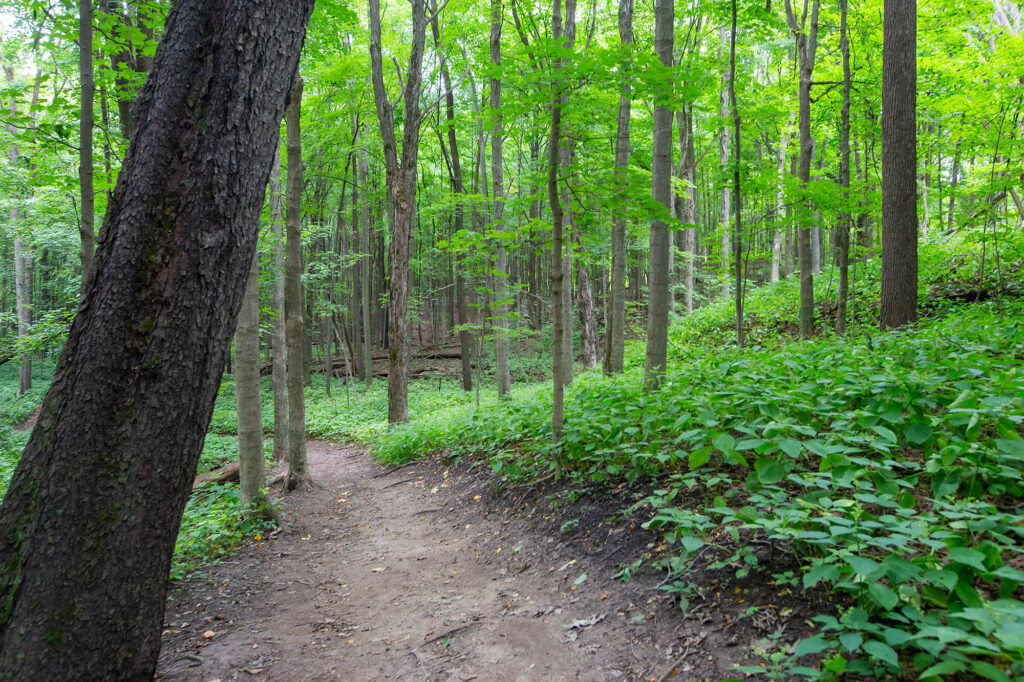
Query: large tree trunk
{"points": [[252, 474], [588, 326], [294, 306], [661, 169], [401, 184], [501, 368], [87, 223], [617, 295], [279, 338], [807, 46], [92, 513], [899, 164]]}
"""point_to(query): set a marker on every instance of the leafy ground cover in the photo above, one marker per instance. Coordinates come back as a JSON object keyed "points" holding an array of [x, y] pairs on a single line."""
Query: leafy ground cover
{"points": [[885, 468]]}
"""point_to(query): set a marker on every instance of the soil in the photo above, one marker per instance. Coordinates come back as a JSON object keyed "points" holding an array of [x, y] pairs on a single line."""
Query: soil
{"points": [[434, 572]]}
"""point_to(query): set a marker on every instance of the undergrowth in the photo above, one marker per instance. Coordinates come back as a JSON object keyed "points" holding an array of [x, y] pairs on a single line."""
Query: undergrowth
{"points": [[887, 466]]}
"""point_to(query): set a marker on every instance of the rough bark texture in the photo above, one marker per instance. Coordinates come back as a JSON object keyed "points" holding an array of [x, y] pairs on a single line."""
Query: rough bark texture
{"points": [[617, 294], [588, 327], [899, 164], [87, 223], [661, 170], [501, 347], [807, 45], [401, 184], [279, 338], [90, 519], [252, 474], [294, 306]]}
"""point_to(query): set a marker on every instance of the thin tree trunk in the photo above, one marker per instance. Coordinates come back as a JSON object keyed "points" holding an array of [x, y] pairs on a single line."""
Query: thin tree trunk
{"points": [[617, 294], [280, 342], [87, 224], [688, 215], [364, 264], [899, 164], [780, 201], [401, 186], [807, 46], [295, 309], [501, 365], [661, 169], [725, 211], [843, 233], [554, 144], [588, 327], [252, 476], [738, 227], [22, 261], [97, 497]]}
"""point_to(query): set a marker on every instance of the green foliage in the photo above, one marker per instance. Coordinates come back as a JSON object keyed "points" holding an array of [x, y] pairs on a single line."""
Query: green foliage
{"points": [[214, 524]]}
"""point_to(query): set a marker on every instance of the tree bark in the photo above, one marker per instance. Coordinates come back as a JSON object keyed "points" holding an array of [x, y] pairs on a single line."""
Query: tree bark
{"points": [[87, 224], [89, 522], [252, 476], [899, 164], [279, 338], [501, 364], [22, 260], [661, 170], [401, 185], [737, 231], [843, 231], [780, 201], [807, 46], [688, 213], [557, 216], [725, 211], [294, 306], [617, 295]]}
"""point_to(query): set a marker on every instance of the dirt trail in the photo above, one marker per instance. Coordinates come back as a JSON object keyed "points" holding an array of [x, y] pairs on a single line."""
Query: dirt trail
{"points": [[411, 575]]}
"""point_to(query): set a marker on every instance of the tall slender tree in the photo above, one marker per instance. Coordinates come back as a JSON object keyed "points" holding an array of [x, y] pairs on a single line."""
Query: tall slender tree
{"points": [[805, 29], [279, 338], [899, 164], [617, 294], [401, 186], [501, 342], [661, 169], [87, 196], [294, 305]]}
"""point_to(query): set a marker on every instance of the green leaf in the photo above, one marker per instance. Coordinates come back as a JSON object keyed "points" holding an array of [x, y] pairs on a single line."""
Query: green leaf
{"points": [[882, 652], [968, 557], [1011, 448], [699, 458], [791, 446], [917, 432], [821, 572], [811, 645], [943, 668], [851, 641], [883, 595], [769, 471], [863, 566], [989, 671], [724, 442]]}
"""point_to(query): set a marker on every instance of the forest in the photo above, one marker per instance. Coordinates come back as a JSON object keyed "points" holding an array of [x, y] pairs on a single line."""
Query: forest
{"points": [[692, 331]]}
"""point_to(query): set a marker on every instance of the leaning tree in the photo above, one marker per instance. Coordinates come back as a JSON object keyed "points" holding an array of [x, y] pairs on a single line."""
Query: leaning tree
{"points": [[89, 523]]}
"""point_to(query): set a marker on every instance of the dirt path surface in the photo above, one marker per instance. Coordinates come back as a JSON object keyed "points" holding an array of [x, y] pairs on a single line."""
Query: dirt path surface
{"points": [[415, 574]]}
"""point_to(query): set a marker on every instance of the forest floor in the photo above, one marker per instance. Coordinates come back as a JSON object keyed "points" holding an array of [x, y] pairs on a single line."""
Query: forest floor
{"points": [[429, 573]]}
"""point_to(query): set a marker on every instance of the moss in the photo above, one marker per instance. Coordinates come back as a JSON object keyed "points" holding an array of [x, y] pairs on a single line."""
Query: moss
{"points": [[54, 637]]}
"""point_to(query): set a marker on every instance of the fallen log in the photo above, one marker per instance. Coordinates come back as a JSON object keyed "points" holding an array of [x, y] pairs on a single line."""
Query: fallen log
{"points": [[225, 474]]}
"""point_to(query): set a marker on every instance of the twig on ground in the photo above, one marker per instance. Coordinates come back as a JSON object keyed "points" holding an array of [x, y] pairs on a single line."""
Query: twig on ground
{"points": [[404, 480], [675, 664], [392, 470], [447, 633]]}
